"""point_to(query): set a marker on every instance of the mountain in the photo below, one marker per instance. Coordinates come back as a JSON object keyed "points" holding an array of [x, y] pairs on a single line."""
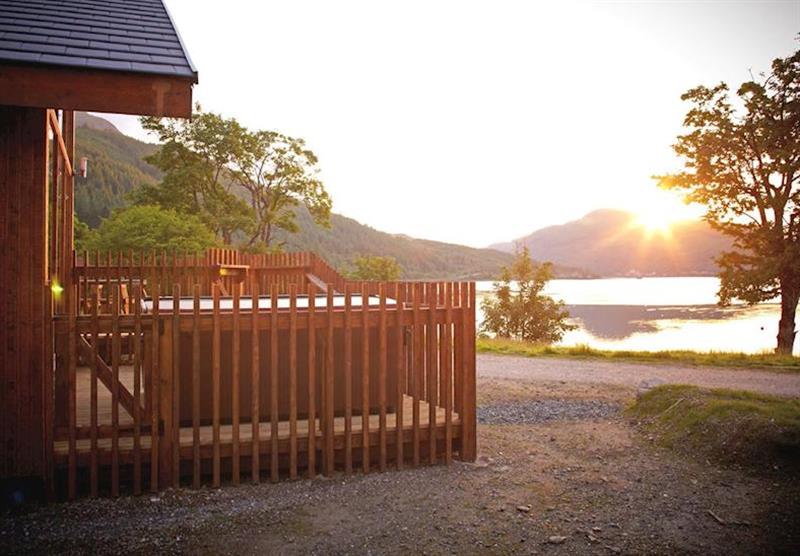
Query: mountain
{"points": [[116, 167], [612, 243], [420, 258]]}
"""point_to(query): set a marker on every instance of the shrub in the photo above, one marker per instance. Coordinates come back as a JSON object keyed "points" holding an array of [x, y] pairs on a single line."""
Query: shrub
{"points": [[525, 313]]}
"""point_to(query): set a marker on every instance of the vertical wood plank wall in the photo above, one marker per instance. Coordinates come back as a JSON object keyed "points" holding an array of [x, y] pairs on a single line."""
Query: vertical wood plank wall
{"points": [[24, 299]]}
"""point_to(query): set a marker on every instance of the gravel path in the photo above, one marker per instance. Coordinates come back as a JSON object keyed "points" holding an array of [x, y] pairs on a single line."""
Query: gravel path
{"points": [[542, 411], [634, 374]]}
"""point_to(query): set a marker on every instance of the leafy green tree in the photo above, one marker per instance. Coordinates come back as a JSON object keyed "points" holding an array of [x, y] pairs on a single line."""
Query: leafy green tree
{"points": [[83, 236], [195, 158], [525, 313], [279, 174], [151, 228], [742, 161], [240, 183], [371, 267]]}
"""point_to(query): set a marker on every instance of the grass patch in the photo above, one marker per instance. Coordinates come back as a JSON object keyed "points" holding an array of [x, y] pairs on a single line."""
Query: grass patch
{"points": [[711, 358], [729, 426]]}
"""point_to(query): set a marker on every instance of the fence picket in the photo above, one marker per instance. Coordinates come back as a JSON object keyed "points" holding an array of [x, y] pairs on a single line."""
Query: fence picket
{"points": [[137, 389], [216, 356], [312, 380], [155, 332], [196, 388], [348, 379], [329, 370], [382, 369], [235, 464], [93, 472], [401, 380], [255, 384], [447, 372], [273, 381], [292, 381], [432, 390], [416, 369], [71, 355], [365, 377], [115, 357], [175, 432]]}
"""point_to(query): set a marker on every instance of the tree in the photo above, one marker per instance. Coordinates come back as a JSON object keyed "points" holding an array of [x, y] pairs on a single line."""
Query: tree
{"points": [[525, 314], [742, 161], [240, 183], [371, 267], [151, 228], [279, 173], [83, 236]]}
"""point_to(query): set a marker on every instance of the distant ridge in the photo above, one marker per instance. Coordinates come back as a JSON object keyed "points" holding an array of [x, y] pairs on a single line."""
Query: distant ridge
{"points": [[116, 168], [84, 119], [610, 242]]}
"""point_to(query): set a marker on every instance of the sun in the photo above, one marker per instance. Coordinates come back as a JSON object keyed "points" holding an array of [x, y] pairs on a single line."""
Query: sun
{"points": [[657, 222], [660, 211]]}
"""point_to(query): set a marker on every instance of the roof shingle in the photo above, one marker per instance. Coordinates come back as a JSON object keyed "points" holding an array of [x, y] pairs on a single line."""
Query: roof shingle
{"points": [[123, 35]]}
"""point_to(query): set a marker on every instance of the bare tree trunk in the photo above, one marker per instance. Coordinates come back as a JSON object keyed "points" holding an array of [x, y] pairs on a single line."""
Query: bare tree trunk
{"points": [[790, 294]]}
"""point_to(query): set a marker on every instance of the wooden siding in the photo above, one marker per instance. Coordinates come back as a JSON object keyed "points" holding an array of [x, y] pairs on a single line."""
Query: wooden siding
{"points": [[24, 318]]}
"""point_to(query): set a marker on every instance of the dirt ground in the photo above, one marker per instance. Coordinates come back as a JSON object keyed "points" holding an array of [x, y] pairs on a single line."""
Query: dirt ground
{"points": [[562, 482], [634, 374]]}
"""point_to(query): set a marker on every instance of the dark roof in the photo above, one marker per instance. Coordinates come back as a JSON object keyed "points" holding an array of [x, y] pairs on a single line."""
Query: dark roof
{"points": [[136, 36]]}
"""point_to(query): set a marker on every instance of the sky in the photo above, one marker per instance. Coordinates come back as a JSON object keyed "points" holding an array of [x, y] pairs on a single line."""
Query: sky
{"points": [[478, 122]]}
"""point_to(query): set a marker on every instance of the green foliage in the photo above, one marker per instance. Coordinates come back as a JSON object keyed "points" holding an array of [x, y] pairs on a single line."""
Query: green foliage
{"points": [[374, 268], [742, 161], [84, 237], [240, 183], [525, 314], [279, 174], [731, 426], [771, 361], [151, 228]]}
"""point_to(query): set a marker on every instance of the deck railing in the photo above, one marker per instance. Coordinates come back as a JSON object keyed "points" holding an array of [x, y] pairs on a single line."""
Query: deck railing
{"points": [[227, 268], [216, 387]]}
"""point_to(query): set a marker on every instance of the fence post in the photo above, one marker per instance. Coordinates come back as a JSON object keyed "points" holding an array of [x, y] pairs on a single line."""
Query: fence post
{"points": [[469, 442]]}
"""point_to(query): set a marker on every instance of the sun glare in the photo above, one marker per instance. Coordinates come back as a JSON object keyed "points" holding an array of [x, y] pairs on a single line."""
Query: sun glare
{"points": [[662, 210], [656, 222]]}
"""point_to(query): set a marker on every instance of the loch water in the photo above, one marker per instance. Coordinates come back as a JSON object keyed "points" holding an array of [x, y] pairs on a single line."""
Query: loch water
{"points": [[660, 313]]}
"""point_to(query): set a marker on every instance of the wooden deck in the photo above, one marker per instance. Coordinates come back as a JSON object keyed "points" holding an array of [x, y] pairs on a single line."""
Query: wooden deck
{"points": [[390, 380], [83, 445]]}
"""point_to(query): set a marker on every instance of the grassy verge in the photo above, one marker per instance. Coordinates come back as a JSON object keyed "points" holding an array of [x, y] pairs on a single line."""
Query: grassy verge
{"points": [[712, 358], [729, 426]]}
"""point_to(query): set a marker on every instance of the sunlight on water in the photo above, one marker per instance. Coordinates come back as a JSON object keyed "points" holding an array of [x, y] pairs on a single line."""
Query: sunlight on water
{"points": [[660, 314]]}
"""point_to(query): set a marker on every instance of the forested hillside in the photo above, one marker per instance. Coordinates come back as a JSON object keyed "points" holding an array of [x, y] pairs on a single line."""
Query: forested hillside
{"points": [[115, 167], [420, 258]]}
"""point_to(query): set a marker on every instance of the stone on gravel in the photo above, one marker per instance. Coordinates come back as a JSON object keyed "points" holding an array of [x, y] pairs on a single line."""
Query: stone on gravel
{"points": [[556, 539]]}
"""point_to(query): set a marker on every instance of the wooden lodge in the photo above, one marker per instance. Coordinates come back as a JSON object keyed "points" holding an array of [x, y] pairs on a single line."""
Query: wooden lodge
{"points": [[125, 372]]}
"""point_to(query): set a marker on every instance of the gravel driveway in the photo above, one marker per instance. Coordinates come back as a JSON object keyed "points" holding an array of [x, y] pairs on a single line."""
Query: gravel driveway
{"points": [[619, 373]]}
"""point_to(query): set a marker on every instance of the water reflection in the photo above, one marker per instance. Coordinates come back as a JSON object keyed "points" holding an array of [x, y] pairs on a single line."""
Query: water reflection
{"points": [[616, 322], [661, 314]]}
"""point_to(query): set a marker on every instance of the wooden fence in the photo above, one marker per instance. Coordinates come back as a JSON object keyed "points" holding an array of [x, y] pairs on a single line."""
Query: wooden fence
{"points": [[227, 268], [192, 389]]}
